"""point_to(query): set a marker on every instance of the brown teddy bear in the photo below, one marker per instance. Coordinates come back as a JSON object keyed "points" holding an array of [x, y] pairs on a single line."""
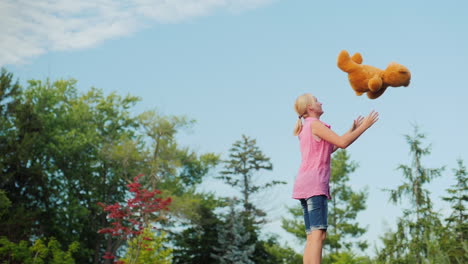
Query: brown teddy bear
{"points": [[369, 79]]}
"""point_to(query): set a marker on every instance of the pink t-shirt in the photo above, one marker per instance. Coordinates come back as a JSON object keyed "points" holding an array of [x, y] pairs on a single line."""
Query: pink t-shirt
{"points": [[313, 177]]}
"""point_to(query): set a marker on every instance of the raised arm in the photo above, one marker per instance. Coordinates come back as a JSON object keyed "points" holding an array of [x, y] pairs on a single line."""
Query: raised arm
{"points": [[356, 123], [349, 137]]}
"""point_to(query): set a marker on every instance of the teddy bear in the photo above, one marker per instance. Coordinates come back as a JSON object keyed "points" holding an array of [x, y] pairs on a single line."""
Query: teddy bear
{"points": [[369, 79]]}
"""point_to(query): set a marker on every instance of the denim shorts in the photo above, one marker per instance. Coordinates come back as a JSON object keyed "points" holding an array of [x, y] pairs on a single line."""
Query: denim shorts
{"points": [[315, 213]]}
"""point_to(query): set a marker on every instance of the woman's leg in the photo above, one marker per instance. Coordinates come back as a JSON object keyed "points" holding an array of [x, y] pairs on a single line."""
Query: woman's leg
{"points": [[317, 209], [306, 256], [314, 244]]}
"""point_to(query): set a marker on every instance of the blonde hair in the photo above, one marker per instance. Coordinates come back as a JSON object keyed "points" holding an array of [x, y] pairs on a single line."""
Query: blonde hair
{"points": [[301, 104]]}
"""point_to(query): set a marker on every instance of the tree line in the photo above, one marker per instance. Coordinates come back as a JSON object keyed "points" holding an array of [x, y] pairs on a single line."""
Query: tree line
{"points": [[84, 179]]}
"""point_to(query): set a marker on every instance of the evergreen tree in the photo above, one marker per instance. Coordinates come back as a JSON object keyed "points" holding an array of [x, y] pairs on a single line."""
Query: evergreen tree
{"points": [[233, 239], [417, 237], [343, 208], [196, 244], [457, 223], [295, 226], [274, 253], [246, 158]]}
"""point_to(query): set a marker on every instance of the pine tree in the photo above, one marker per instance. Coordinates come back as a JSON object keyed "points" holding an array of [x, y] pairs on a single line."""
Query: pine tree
{"points": [[295, 226], [241, 172], [415, 240], [246, 158], [196, 243], [233, 239], [346, 203], [457, 224]]}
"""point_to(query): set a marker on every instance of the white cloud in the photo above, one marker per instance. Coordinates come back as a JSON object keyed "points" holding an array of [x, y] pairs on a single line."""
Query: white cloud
{"points": [[29, 28]]}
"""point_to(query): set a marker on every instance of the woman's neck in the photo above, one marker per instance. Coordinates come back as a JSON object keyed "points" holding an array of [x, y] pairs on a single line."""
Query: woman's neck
{"points": [[313, 115]]}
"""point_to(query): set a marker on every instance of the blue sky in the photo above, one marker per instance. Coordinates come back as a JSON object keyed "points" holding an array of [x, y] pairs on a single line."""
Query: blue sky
{"points": [[236, 67]]}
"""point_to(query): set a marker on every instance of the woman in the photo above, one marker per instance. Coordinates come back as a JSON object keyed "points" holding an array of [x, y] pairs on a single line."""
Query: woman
{"points": [[311, 187]]}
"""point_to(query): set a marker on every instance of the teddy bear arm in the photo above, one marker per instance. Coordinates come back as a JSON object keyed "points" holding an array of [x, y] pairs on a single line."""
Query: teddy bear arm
{"points": [[375, 83]]}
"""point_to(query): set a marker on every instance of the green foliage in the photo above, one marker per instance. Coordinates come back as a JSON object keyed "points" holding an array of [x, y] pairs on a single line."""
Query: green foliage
{"points": [[417, 238], [5, 203], [62, 151], [43, 251], [395, 247], [458, 198], [196, 244], [295, 225], [233, 239], [246, 158], [455, 237], [149, 247], [345, 257], [415, 175], [9, 91], [274, 253], [346, 203], [170, 163], [174, 169], [17, 217], [56, 169]]}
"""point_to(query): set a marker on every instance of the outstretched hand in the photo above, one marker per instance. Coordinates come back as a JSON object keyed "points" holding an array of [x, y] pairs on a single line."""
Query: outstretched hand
{"points": [[370, 119], [357, 122]]}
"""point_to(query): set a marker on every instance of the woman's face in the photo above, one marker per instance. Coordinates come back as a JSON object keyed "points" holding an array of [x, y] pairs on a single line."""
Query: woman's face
{"points": [[317, 106]]}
